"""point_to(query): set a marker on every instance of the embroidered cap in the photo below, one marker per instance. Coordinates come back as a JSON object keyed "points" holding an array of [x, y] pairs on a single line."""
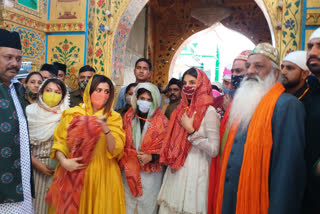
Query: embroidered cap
{"points": [[243, 55], [267, 50]]}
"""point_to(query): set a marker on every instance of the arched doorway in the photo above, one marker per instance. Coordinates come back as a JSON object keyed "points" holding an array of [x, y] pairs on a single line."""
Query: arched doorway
{"points": [[211, 50], [242, 18]]}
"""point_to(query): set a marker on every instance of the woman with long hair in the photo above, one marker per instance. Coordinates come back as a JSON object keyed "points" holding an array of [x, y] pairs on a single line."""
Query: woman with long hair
{"points": [[88, 142], [192, 139], [145, 126]]}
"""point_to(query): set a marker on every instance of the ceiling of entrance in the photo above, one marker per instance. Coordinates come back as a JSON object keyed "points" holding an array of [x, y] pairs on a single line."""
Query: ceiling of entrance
{"points": [[242, 16]]}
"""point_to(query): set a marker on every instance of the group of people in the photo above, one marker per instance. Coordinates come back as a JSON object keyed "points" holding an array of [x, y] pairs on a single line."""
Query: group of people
{"points": [[257, 151]]}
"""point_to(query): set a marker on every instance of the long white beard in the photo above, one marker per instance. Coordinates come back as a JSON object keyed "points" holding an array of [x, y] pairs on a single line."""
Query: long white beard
{"points": [[248, 96]]}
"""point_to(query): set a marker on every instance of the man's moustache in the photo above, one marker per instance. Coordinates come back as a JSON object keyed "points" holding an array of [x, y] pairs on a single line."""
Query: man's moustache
{"points": [[251, 77], [313, 57], [13, 68]]}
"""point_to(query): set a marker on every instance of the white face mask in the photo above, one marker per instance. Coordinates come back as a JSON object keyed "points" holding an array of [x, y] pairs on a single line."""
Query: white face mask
{"points": [[144, 105], [128, 99]]}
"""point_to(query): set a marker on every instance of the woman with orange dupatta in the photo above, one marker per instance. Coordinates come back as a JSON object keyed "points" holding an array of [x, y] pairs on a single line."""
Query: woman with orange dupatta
{"points": [[145, 126], [88, 143], [192, 139]]}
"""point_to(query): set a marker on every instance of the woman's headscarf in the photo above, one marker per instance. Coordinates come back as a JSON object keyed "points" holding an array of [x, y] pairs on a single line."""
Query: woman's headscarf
{"points": [[42, 119], [155, 94], [176, 145], [148, 141], [84, 132]]}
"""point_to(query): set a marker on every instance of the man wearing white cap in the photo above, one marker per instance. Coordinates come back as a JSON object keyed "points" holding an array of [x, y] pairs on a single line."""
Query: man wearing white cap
{"points": [[312, 154], [295, 73]]}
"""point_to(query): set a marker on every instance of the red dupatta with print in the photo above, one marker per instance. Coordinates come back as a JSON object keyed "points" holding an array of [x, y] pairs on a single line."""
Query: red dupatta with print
{"points": [[65, 191], [176, 145], [151, 144]]}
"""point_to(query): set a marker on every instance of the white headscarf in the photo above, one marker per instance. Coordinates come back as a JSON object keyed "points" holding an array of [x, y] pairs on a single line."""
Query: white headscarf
{"points": [[42, 119], [299, 58], [315, 34]]}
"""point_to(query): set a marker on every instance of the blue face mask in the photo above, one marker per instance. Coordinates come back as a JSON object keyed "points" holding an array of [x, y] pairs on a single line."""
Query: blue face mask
{"points": [[236, 81], [228, 91], [144, 106]]}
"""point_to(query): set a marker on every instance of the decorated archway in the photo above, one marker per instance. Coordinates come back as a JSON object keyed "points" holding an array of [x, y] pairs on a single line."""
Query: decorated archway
{"points": [[282, 17]]}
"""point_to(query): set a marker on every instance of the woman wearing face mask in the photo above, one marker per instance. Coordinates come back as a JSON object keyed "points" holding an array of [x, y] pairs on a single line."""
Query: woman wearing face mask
{"points": [[145, 126], [128, 94], [192, 139], [43, 117], [88, 142], [32, 84]]}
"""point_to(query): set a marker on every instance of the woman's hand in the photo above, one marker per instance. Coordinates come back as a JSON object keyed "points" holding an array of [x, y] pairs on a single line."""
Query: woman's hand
{"points": [[187, 122], [45, 169], [103, 121], [72, 164], [41, 167], [144, 158]]}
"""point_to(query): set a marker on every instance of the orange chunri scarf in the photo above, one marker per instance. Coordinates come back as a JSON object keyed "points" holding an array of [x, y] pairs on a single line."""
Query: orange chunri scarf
{"points": [[151, 144], [253, 189], [65, 191], [176, 145]]}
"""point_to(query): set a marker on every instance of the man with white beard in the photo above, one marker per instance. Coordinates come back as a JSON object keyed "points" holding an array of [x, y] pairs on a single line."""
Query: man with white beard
{"points": [[262, 166]]}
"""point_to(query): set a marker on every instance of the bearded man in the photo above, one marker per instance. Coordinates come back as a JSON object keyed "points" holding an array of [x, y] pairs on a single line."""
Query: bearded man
{"points": [[312, 199], [295, 73], [262, 166]]}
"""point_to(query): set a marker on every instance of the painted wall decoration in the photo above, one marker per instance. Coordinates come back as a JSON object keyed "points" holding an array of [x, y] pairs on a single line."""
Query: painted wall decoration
{"points": [[97, 35], [33, 4], [249, 20], [311, 13], [68, 9], [37, 8], [291, 29], [312, 3], [32, 43], [69, 50], [121, 37], [313, 17]]}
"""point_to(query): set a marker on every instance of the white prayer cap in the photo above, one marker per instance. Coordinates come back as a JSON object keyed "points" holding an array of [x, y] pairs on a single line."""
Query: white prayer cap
{"points": [[315, 34], [299, 58]]}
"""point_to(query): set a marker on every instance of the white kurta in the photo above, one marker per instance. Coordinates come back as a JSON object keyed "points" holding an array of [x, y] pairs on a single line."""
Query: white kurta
{"points": [[147, 203], [186, 190]]}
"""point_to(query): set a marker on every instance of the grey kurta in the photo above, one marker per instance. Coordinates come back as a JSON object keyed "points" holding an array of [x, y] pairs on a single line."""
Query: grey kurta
{"points": [[287, 165]]}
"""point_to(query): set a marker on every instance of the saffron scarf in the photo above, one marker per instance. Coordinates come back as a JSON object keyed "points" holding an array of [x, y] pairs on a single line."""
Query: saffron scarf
{"points": [[176, 145], [253, 189], [65, 191], [151, 144]]}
